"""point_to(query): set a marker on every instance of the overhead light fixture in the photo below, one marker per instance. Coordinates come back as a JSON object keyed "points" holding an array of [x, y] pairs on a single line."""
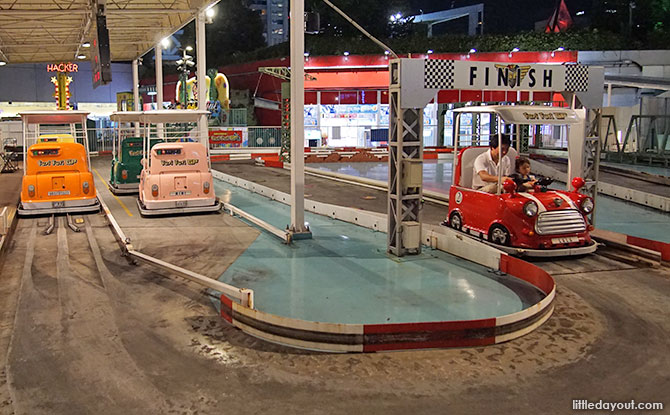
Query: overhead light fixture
{"points": [[3, 63], [81, 57], [512, 51], [346, 53], [210, 12], [559, 49], [86, 45], [306, 54], [165, 42], [430, 51], [473, 50], [188, 48]]}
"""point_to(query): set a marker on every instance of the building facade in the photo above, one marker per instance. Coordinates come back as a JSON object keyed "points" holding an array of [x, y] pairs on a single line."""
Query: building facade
{"points": [[274, 14]]}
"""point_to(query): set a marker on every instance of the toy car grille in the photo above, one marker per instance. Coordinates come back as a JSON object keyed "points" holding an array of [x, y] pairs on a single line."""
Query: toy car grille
{"points": [[560, 222]]}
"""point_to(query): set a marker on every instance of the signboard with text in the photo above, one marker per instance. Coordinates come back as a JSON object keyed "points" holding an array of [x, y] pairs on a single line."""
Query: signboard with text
{"points": [[100, 57], [421, 79], [226, 138]]}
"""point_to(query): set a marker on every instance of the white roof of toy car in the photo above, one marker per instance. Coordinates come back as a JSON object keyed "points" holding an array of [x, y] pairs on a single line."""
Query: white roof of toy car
{"points": [[54, 117], [171, 116], [126, 116], [527, 114]]}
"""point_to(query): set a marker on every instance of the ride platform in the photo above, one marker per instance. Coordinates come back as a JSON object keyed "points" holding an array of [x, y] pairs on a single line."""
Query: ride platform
{"points": [[341, 291]]}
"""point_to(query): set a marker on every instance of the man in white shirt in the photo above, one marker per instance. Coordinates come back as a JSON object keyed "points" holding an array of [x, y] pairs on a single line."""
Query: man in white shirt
{"points": [[485, 174]]}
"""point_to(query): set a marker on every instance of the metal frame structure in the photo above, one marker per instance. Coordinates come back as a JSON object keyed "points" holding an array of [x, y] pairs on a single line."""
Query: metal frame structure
{"points": [[414, 82], [405, 148]]}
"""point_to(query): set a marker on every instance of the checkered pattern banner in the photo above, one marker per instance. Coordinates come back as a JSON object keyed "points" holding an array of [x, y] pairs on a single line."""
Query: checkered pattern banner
{"points": [[438, 74], [576, 78]]}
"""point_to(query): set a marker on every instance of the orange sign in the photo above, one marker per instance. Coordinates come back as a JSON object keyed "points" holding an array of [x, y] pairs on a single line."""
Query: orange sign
{"points": [[63, 67], [225, 138]]}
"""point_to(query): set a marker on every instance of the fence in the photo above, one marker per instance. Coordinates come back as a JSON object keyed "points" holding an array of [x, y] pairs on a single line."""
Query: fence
{"points": [[101, 140]]}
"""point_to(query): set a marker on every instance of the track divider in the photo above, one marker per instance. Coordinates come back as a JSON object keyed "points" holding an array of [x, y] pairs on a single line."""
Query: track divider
{"points": [[428, 195], [244, 295], [285, 235], [634, 243], [7, 225], [335, 337]]}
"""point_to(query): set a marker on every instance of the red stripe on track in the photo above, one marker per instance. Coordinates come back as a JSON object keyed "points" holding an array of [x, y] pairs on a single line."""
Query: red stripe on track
{"points": [[433, 326], [226, 308], [527, 272], [274, 163], [658, 246]]}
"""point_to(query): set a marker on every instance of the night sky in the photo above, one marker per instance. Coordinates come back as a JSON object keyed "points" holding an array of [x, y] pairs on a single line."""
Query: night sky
{"points": [[505, 15]]}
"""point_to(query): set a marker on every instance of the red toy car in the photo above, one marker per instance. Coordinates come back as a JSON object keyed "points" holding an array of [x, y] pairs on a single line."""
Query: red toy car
{"points": [[539, 222], [542, 223]]}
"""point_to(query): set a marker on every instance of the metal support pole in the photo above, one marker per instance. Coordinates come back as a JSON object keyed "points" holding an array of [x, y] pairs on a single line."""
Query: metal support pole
{"points": [[609, 95], [297, 120], [136, 94], [159, 86], [159, 75], [200, 74]]}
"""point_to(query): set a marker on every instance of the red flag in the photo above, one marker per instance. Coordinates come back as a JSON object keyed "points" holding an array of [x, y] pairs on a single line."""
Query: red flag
{"points": [[560, 20]]}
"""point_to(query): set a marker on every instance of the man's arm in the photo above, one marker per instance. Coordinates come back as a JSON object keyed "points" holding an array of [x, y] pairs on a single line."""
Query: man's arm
{"points": [[485, 176]]}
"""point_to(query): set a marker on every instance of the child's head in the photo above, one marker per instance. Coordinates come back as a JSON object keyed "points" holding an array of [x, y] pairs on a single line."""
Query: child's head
{"points": [[523, 166]]}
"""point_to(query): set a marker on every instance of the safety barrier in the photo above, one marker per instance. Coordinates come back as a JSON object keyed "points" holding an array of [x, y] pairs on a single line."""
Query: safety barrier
{"points": [[336, 337], [244, 295]]}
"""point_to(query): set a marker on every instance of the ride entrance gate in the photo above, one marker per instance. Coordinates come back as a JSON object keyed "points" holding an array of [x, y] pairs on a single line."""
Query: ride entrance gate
{"points": [[415, 82]]}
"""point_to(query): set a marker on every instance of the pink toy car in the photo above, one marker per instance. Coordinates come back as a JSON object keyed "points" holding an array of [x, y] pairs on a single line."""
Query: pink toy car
{"points": [[176, 176]]}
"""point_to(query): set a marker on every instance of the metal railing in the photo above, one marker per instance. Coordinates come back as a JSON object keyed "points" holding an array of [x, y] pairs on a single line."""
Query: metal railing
{"points": [[101, 140]]}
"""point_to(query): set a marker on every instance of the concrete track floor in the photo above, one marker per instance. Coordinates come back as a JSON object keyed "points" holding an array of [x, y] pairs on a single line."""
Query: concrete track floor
{"points": [[82, 331]]}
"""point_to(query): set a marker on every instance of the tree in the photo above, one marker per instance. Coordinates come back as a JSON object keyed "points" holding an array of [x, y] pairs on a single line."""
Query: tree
{"points": [[235, 29], [373, 15]]}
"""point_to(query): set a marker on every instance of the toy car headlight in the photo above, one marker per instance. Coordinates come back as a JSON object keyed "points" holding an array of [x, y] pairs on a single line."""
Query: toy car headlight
{"points": [[530, 209], [587, 205]]}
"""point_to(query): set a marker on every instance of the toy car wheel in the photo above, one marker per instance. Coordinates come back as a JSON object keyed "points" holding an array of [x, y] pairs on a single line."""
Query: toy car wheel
{"points": [[455, 221], [499, 235]]}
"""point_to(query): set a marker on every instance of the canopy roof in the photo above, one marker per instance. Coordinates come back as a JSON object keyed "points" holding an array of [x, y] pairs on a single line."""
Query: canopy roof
{"points": [[54, 30]]}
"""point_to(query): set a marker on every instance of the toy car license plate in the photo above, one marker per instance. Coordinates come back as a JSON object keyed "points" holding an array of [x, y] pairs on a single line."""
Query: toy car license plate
{"points": [[58, 193], [567, 240], [180, 203], [180, 193], [58, 204]]}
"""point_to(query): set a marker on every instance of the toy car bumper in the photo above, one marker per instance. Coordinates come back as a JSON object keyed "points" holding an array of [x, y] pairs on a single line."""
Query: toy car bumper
{"points": [[58, 207], [548, 253], [175, 207], [123, 188]]}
